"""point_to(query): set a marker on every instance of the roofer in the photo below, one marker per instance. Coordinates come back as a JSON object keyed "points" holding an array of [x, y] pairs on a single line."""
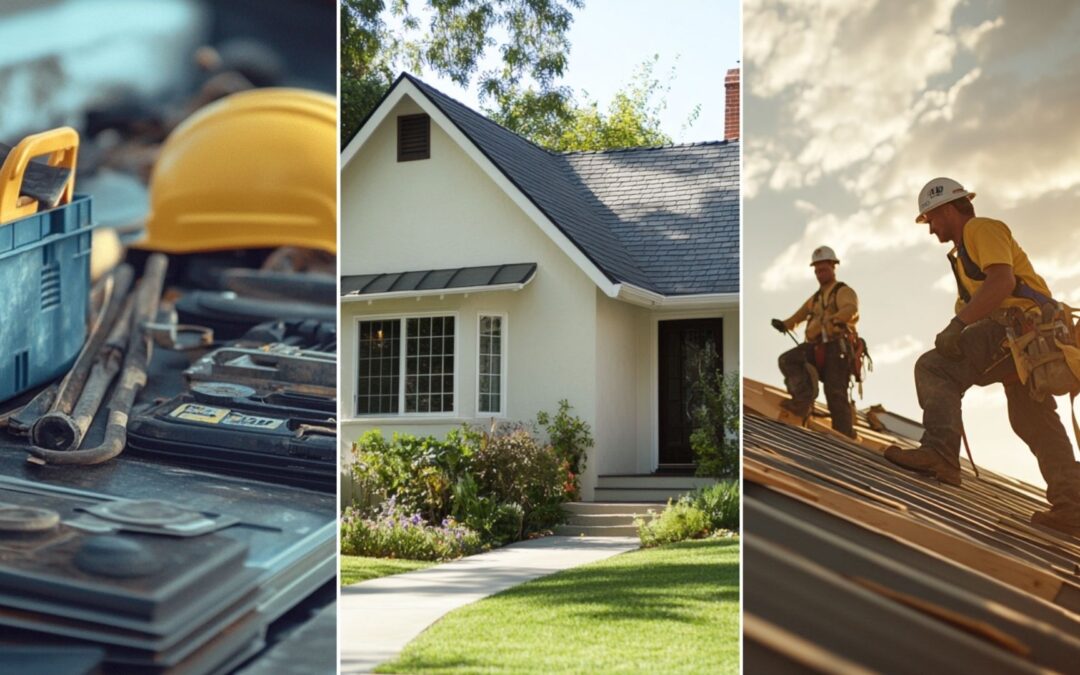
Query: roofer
{"points": [[999, 334], [828, 352]]}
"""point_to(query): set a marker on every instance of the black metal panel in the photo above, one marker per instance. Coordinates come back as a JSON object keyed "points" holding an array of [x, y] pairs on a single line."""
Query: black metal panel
{"points": [[382, 284], [469, 277], [436, 280], [514, 274], [356, 283]]}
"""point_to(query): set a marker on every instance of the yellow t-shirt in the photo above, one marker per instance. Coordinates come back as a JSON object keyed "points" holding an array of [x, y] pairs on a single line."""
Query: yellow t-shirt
{"points": [[818, 312], [989, 242]]}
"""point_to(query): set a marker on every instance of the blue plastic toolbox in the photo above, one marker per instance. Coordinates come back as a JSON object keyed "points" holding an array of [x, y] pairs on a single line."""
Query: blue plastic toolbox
{"points": [[44, 272]]}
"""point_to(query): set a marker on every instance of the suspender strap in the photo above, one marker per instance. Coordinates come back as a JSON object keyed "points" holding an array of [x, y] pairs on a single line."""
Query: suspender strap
{"points": [[973, 271], [832, 298]]}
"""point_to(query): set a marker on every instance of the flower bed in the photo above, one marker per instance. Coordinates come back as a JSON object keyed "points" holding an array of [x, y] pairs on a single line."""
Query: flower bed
{"points": [[499, 486], [393, 532]]}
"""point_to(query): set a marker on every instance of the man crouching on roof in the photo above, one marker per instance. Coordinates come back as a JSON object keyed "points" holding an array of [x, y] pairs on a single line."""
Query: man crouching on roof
{"points": [[830, 314], [993, 275]]}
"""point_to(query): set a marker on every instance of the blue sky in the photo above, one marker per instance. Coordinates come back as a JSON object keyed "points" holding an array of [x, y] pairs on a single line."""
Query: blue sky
{"points": [[610, 38]]}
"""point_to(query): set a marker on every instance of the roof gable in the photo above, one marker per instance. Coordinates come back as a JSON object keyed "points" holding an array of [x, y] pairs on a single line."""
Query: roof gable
{"points": [[664, 219]]}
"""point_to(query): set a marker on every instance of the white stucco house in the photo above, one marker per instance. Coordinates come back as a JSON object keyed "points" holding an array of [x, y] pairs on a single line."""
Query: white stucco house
{"points": [[484, 277]]}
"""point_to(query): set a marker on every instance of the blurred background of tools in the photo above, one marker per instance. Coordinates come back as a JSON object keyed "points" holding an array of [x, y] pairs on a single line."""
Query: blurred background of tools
{"points": [[195, 341]]}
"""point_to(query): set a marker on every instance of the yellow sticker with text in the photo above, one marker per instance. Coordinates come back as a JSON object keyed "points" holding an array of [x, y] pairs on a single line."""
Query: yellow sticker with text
{"points": [[196, 412]]}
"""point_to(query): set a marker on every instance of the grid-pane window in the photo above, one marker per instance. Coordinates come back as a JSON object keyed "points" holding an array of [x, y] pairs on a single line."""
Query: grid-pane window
{"points": [[379, 367], [491, 351], [429, 364]]}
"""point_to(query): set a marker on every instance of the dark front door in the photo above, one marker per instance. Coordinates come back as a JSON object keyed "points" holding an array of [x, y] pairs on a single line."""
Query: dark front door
{"points": [[682, 344]]}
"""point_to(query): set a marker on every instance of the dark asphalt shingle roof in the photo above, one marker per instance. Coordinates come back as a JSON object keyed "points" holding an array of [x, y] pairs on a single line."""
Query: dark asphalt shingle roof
{"points": [[665, 219]]}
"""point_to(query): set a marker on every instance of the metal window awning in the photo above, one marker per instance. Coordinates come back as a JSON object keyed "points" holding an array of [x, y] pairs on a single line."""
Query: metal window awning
{"points": [[455, 281]]}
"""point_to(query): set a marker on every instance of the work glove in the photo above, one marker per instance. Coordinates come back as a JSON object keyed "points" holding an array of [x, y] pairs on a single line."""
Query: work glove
{"points": [[779, 325], [948, 341]]}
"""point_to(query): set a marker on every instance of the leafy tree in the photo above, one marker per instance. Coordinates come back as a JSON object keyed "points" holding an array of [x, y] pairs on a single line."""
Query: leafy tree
{"points": [[632, 118], [458, 35]]}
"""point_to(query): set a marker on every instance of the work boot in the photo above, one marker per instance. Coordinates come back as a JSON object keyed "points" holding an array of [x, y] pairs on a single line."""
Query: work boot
{"points": [[1065, 519], [796, 408], [925, 461]]}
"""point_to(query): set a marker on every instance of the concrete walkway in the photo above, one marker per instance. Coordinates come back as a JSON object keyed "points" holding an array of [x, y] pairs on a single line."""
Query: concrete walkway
{"points": [[377, 618]]}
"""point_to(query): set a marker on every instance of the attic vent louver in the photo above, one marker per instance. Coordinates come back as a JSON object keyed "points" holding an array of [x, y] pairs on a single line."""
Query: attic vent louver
{"points": [[413, 137]]}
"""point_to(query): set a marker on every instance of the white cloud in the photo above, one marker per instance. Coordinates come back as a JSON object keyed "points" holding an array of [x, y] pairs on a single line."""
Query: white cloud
{"points": [[972, 37], [885, 227], [946, 282], [845, 102], [990, 396], [896, 350], [858, 117], [862, 102]]}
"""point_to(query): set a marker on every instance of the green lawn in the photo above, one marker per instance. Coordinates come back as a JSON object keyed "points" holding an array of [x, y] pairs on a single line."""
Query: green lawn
{"points": [[673, 609], [356, 568]]}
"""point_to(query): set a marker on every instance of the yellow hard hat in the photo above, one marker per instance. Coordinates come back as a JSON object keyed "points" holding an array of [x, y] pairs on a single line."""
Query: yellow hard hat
{"points": [[257, 169]]}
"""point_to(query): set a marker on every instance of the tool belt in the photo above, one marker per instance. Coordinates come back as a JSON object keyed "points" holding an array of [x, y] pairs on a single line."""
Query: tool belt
{"points": [[852, 348], [1045, 347]]}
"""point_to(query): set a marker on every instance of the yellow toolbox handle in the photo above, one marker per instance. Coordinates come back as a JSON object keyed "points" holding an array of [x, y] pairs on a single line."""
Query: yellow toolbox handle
{"points": [[62, 146]]}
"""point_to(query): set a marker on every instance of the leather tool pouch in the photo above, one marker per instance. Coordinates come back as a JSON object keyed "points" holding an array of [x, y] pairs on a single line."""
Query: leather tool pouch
{"points": [[1042, 345]]}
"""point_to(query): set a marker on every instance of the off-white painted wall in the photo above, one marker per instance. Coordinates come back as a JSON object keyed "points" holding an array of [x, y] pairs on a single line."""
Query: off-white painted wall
{"points": [[445, 212], [434, 213], [628, 376], [549, 337], [622, 375]]}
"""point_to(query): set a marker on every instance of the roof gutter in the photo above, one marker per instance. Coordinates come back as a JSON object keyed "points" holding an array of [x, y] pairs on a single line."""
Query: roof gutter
{"points": [[636, 295]]}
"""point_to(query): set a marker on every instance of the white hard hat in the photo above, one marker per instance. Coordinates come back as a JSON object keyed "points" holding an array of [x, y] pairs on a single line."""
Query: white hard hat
{"points": [[823, 253], [937, 192]]}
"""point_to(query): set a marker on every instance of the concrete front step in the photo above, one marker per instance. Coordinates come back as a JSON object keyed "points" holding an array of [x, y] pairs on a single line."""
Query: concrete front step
{"points": [[596, 530], [600, 519], [652, 496], [606, 518], [597, 508], [630, 481]]}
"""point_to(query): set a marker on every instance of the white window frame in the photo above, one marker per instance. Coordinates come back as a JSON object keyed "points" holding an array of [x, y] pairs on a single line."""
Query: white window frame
{"points": [[401, 414], [504, 361]]}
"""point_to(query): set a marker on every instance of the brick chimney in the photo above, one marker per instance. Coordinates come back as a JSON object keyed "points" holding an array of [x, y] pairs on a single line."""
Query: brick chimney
{"points": [[731, 105]]}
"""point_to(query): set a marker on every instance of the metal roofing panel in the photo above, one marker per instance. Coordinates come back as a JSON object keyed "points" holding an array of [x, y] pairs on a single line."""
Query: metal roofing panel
{"points": [[961, 562], [436, 280]]}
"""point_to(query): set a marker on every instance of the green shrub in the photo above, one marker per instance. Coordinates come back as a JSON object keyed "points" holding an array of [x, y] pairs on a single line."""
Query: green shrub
{"points": [[511, 466], [394, 533], [496, 523], [678, 522], [419, 472], [715, 414], [720, 503], [501, 484], [571, 437]]}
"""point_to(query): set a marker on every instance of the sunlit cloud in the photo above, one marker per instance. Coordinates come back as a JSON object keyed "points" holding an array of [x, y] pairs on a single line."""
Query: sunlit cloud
{"points": [[990, 396], [897, 350], [855, 105]]}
